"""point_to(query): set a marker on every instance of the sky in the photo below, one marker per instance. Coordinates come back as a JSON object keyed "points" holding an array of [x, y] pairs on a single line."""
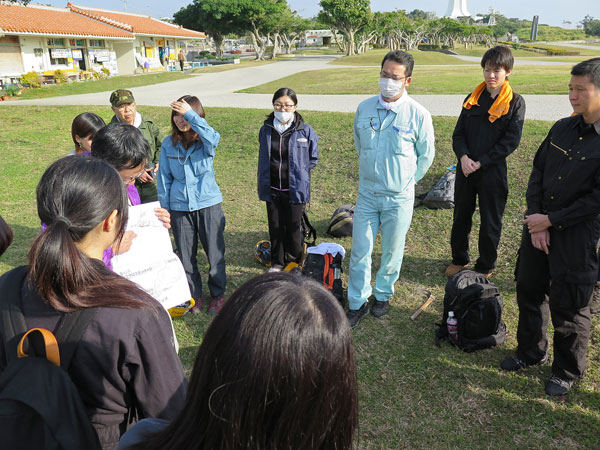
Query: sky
{"points": [[552, 12]]}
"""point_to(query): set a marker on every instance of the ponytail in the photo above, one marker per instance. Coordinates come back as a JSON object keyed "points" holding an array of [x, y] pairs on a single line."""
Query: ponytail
{"points": [[74, 196]]}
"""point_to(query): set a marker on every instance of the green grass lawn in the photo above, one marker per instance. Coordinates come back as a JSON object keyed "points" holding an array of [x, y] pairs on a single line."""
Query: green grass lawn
{"points": [[224, 67], [374, 58], [108, 84], [426, 80], [318, 51], [479, 50], [412, 394]]}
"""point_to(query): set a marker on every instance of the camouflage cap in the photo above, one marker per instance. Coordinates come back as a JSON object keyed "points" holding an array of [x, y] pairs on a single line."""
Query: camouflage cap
{"points": [[121, 96]]}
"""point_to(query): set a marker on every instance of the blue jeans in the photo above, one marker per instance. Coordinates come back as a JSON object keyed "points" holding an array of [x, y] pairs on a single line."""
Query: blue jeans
{"points": [[392, 216]]}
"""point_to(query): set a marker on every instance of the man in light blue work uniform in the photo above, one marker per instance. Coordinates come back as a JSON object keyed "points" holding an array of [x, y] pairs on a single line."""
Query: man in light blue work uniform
{"points": [[395, 143]]}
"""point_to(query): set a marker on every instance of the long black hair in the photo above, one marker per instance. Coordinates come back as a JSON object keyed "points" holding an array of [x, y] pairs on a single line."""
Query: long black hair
{"points": [[275, 371], [74, 196], [86, 124]]}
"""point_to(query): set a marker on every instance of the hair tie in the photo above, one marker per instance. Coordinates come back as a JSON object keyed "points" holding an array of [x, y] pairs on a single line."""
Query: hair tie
{"points": [[63, 219]]}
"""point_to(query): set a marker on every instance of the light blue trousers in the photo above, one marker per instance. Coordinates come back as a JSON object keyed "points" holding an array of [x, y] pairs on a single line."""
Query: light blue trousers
{"points": [[391, 215]]}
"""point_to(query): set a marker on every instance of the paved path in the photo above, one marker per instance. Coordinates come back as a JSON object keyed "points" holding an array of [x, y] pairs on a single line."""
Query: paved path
{"points": [[217, 89]]}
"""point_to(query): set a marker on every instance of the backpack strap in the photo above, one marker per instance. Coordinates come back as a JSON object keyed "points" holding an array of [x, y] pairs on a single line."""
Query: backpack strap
{"points": [[310, 231], [69, 332], [11, 316], [327, 271]]}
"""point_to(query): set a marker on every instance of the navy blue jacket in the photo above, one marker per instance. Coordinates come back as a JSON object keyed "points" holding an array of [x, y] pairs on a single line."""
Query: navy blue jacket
{"points": [[303, 157]]}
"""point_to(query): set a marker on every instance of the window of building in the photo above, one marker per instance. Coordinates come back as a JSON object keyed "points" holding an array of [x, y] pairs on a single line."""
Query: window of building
{"points": [[38, 51], [96, 42], [77, 42], [53, 42], [59, 56]]}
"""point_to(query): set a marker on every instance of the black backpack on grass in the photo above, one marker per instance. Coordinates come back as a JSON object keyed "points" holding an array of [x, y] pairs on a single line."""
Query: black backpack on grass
{"points": [[477, 306], [40, 407], [326, 269]]}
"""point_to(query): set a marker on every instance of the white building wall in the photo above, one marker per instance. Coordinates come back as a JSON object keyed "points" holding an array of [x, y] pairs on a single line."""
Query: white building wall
{"points": [[31, 62]]}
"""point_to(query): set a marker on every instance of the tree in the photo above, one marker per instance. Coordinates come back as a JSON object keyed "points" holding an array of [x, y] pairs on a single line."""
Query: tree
{"points": [[260, 18], [591, 26], [349, 17], [22, 2], [293, 29], [217, 18]]}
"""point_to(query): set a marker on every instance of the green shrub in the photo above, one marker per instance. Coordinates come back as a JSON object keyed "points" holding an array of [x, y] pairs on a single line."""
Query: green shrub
{"points": [[60, 77], [105, 71], [32, 80]]}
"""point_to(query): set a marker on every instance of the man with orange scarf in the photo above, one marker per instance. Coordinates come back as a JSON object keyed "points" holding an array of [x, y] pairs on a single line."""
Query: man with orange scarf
{"points": [[488, 130]]}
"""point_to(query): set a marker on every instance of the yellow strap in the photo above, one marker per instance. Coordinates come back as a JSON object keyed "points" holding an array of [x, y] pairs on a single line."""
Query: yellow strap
{"points": [[50, 344], [291, 266]]}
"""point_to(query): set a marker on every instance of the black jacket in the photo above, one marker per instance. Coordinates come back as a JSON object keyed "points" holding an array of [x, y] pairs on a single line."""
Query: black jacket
{"points": [[565, 180], [125, 358], [484, 141]]}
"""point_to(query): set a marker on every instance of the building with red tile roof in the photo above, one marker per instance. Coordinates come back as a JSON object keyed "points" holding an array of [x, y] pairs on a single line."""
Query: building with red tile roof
{"points": [[44, 38]]}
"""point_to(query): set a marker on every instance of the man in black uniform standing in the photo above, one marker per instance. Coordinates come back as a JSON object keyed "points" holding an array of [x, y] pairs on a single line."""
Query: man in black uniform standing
{"points": [[558, 262]]}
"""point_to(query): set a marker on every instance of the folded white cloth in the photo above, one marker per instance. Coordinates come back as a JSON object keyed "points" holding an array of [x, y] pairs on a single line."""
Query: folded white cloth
{"points": [[327, 247]]}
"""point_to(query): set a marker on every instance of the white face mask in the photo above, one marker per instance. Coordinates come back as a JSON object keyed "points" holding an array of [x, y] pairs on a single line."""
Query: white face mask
{"points": [[390, 88], [284, 116]]}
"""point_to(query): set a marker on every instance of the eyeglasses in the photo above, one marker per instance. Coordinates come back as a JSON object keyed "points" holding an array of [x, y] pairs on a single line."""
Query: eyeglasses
{"points": [[382, 75], [129, 180], [126, 106], [281, 106]]}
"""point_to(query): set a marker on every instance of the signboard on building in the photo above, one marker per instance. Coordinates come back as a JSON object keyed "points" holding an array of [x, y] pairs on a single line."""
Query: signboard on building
{"points": [[60, 53], [77, 54]]}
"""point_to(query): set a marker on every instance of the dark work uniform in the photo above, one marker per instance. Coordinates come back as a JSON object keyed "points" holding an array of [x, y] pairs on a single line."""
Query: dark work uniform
{"points": [[565, 184], [285, 218], [490, 144]]}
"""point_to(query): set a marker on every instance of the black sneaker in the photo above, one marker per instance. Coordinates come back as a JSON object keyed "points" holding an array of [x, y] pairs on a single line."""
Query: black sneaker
{"points": [[557, 386], [513, 363], [354, 315], [379, 309]]}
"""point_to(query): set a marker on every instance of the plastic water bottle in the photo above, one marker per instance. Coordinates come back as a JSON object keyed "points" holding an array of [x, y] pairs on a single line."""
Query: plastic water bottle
{"points": [[452, 325]]}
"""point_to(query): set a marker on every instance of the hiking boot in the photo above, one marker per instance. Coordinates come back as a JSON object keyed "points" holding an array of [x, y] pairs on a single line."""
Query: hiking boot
{"points": [[513, 363], [380, 309], [453, 269], [595, 300], [557, 386], [354, 315], [216, 303], [197, 308]]}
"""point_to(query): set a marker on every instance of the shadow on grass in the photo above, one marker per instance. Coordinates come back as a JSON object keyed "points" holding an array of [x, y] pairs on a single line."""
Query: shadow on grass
{"points": [[398, 364]]}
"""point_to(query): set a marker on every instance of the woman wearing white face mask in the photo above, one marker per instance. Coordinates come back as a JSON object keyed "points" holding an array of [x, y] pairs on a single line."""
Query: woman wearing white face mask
{"points": [[288, 152]]}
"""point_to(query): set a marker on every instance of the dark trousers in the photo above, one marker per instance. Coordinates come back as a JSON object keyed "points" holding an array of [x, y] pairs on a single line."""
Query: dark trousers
{"points": [[285, 229], [208, 224], [490, 186], [557, 286], [181, 65]]}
